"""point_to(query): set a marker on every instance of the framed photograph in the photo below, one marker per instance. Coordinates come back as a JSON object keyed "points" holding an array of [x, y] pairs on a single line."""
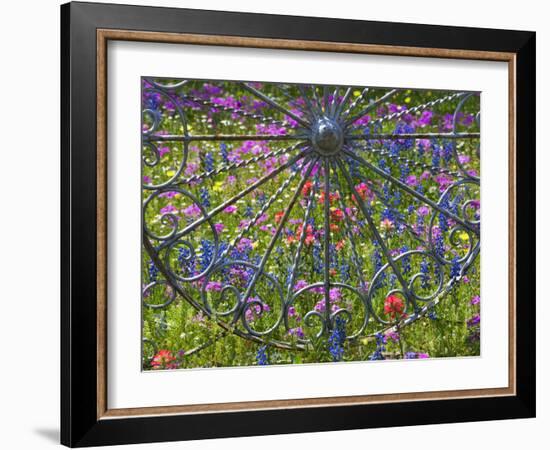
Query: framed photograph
{"points": [[277, 224]]}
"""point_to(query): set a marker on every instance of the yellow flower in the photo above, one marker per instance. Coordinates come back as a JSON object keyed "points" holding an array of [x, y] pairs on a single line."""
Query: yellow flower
{"points": [[218, 186], [464, 236]]}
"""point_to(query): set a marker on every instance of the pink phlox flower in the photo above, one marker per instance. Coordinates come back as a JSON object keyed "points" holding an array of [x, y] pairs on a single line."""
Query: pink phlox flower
{"points": [[270, 129], [412, 180], [244, 244], [169, 209], [191, 168], [425, 118], [215, 286], [448, 121], [300, 284], [163, 150], [423, 211], [335, 294], [364, 120], [393, 108], [298, 332], [444, 181], [192, 211]]}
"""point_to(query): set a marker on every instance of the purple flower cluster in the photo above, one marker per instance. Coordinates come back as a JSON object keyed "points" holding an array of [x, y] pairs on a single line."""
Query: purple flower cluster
{"points": [[415, 355]]}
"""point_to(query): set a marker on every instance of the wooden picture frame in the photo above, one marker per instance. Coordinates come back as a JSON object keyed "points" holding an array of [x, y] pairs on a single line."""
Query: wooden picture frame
{"points": [[86, 418]]}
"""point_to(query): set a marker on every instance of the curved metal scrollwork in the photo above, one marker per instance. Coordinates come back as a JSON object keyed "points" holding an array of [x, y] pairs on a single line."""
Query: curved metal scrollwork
{"points": [[337, 162]]}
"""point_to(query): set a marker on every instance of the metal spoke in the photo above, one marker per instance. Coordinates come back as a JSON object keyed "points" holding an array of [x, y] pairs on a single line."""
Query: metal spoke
{"points": [[262, 210], [376, 234], [297, 255], [406, 188], [240, 164], [325, 99], [275, 237], [317, 100], [275, 105], [393, 137], [326, 239], [333, 103], [312, 111], [225, 137], [233, 199], [409, 162], [416, 109], [371, 106], [359, 99], [398, 218], [239, 111], [290, 97], [349, 229], [343, 102]]}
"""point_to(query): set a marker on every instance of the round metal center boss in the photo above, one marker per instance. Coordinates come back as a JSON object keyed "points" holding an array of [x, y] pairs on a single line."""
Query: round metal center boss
{"points": [[327, 136]]}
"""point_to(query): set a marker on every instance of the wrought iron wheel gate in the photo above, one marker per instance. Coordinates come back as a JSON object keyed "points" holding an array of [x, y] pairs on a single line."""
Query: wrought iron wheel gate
{"points": [[340, 161]]}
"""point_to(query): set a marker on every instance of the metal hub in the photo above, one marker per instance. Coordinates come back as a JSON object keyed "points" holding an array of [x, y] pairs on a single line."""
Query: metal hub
{"points": [[327, 136]]}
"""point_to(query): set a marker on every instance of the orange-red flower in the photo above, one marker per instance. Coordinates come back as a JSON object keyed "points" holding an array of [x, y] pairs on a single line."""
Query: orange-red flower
{"points": [[363, 190], [309, 229], [291, 238], [309, 238], [337, 214], [332, 197], [394, 306], [307, 188], [163, 360]]}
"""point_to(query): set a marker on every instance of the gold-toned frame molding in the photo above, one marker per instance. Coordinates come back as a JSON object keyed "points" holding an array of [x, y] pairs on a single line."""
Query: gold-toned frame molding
{"points": [[105, 35]]}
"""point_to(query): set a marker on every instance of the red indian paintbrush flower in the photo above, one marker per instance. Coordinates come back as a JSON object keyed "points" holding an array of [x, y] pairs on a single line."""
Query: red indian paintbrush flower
{"points": [[332, 197], [307, 188], [278, 216], [336, 214], [394, 306], [363, 190], [163, 360]]}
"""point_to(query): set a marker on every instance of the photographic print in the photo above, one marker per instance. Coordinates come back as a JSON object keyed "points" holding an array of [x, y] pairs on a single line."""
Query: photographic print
{"points": [[298, 223], [256, 194]]}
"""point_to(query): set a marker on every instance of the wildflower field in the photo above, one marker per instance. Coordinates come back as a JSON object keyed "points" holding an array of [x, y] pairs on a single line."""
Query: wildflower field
{"points": [[287, 224]]}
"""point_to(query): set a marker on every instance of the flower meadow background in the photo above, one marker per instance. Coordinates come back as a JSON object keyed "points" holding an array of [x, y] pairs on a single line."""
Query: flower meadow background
{"points": [[224, 251]]}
